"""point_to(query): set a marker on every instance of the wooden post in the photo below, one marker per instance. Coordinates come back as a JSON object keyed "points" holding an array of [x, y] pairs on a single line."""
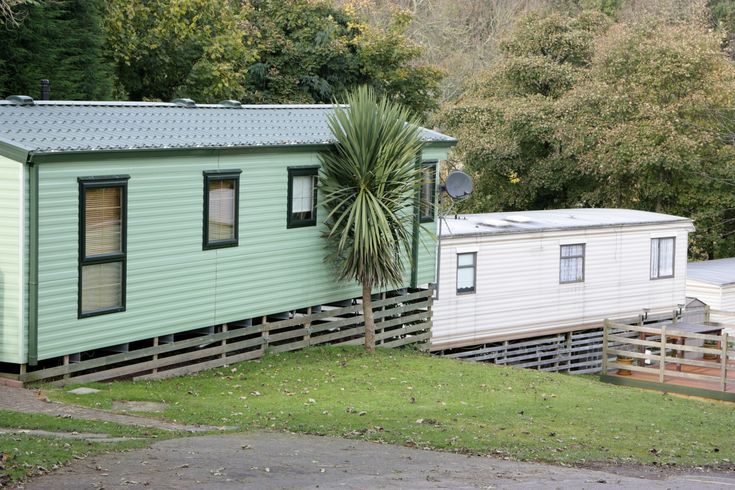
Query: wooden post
{"points": [[605, 327], [382, 318], [427, 343], [673, 317], [264, 335], [723, 362], [66, 364], [224, 342], [707, 313], [155, 354], [641, 348], [568, 348], [662, 364], [307, 326]]}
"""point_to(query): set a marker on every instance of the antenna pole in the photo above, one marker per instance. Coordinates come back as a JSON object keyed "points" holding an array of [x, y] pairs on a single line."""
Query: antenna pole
{"points": [[438, 251]]}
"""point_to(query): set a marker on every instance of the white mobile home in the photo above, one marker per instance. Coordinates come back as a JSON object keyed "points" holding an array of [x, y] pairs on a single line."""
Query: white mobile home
{"points": [[514, 275], [713, 282]]}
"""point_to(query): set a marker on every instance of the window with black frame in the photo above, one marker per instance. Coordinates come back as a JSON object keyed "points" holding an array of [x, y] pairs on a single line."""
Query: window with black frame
{"points": [[302, 196], [102, 245], [428, 191], [221, 208]]}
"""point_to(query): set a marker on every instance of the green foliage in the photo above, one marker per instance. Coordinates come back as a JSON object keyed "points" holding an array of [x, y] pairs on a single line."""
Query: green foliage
{"points": [[722, 15], [304, 52], [622, 116], [311, 52], [403, 397], [180, 48], [369, 181], [262, 51], [61, 41]]}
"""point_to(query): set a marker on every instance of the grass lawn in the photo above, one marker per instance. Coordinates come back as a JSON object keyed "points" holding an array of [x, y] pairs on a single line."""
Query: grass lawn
{"points": [[410, 398], [24, 455]]}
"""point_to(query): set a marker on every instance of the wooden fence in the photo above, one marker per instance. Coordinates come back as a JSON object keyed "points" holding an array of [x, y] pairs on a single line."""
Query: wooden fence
{"points": [[400, 320], [576, 352], [661, 354]]}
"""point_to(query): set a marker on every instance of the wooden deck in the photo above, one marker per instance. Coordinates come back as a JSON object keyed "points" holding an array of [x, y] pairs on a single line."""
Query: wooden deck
{"points": [[671, 358], [673, 384]]}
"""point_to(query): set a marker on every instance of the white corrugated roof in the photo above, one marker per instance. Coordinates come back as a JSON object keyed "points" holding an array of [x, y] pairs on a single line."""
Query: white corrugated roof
{"points": [[553, 219], [720, 272]]}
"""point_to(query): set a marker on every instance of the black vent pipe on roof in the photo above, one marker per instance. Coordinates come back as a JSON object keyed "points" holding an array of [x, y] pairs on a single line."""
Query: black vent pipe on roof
{"points": [[45, 89]]}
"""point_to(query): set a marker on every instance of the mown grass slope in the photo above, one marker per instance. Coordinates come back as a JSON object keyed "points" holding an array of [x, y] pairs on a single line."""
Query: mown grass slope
{"points": [[410, 398]]}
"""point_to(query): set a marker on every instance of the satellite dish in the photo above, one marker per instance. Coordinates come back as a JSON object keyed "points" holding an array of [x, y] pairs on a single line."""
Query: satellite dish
{"points": [[458, 185]]}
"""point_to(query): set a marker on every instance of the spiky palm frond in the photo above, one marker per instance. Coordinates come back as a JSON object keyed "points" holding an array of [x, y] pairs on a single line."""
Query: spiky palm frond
{"points": [[369, 182]]}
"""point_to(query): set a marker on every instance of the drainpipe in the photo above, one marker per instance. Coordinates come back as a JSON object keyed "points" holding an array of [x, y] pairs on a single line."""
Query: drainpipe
{"points": [[33, 262], [415, 244]]}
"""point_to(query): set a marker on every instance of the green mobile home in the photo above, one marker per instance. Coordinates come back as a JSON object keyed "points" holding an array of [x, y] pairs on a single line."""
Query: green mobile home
{"points": [[128, 228]]}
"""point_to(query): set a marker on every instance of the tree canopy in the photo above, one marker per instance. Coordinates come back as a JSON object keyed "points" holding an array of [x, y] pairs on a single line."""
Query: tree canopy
{"points": [[580, 112], [262, 51], [180, 48], [61, 41]]}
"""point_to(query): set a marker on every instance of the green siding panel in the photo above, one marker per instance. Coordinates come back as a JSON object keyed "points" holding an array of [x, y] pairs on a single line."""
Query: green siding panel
{"points": [[172, 284], [427, 241], [11, 260]]}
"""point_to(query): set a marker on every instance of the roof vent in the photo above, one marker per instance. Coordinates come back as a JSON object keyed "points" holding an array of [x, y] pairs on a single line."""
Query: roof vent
{"points": [[498, 223], [21, 100], [184, 102], [517, 218], [230, 103]]}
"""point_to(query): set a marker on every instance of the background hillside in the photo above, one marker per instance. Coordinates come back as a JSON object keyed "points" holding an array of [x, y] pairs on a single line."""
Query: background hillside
{"points": [[556, 103]]}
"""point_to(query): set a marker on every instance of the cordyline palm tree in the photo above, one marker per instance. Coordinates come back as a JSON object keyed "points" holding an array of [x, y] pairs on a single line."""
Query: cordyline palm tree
{"points": [[369, 182]]}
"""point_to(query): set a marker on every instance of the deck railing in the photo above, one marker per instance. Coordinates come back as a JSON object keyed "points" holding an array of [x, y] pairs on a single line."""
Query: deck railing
{"points": [[667, 354]]}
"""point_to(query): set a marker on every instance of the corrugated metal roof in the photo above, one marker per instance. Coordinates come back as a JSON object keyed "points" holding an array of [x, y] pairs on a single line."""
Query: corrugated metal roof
{"points": [[720, 272], [64, 126], [551, 220]]}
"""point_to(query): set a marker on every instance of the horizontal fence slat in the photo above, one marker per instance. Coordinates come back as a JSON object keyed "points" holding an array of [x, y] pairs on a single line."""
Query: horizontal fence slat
{"points": [[628, 341], [635, 355], [195, 368], [687, 375], [633, 367]]}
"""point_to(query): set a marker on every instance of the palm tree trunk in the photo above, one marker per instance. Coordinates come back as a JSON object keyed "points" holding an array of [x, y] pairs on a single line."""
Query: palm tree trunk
{"points": [[367, 314]]}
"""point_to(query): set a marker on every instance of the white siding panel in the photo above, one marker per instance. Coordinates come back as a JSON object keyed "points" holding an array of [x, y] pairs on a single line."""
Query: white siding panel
{"points": [[518, 290]]}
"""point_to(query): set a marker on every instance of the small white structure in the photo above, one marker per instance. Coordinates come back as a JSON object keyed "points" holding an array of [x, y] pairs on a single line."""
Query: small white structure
{"points": [[713, 282], [513, 275]]}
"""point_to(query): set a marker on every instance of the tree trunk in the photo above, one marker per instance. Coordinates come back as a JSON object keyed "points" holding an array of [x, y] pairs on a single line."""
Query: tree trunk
{"points": [[367, 314]]}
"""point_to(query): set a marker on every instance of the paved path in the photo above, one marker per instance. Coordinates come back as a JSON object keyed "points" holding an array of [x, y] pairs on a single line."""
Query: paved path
{"points": [[269, 460], [31, 401]]}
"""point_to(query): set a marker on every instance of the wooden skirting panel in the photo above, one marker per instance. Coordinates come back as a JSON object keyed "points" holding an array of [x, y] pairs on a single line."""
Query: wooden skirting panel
{"points": [[575, 352], [400, 319]]}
